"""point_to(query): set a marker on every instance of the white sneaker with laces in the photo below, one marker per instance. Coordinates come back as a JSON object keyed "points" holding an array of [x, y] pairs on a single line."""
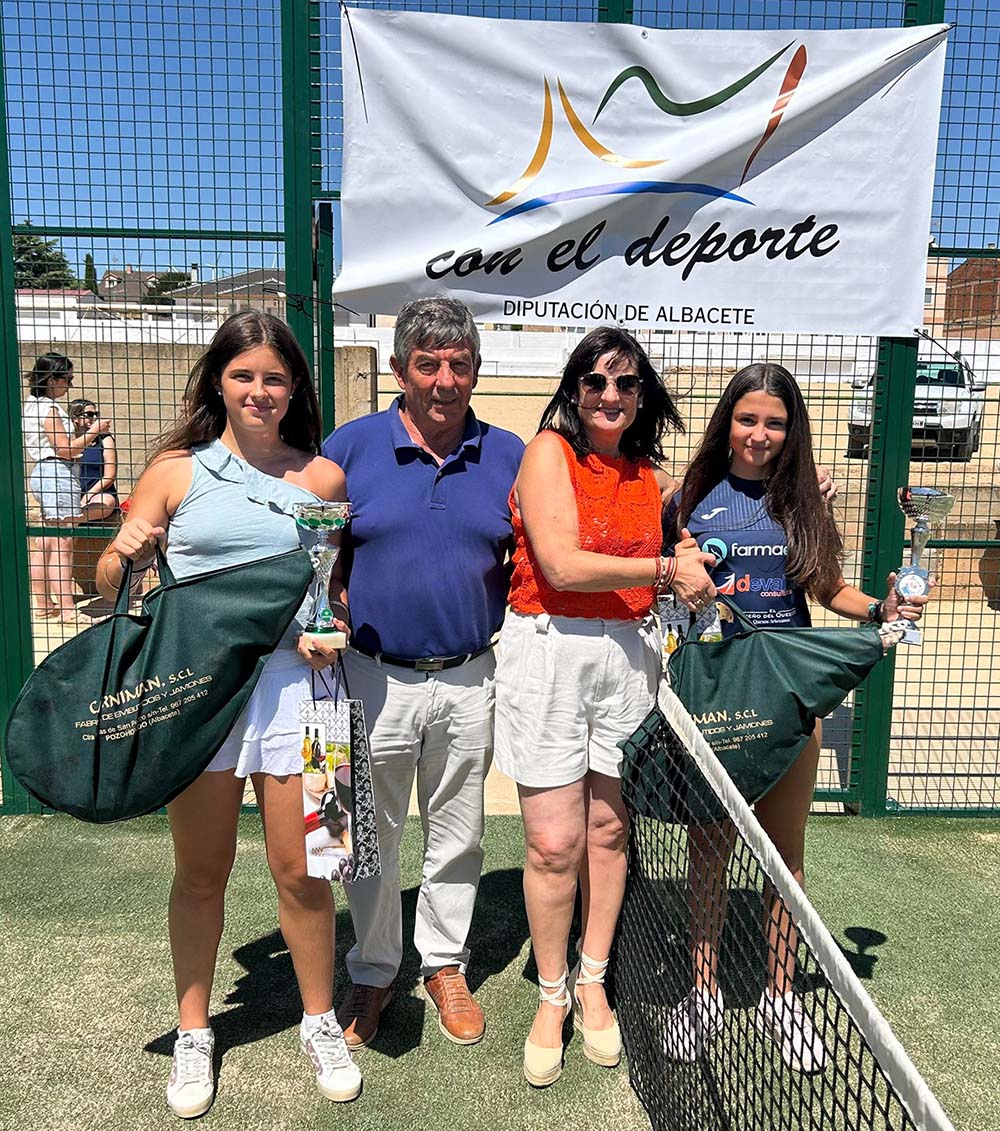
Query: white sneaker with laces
{"points": [[337, 1076], [191, 1087], [693, 1021], [785, 1020]]}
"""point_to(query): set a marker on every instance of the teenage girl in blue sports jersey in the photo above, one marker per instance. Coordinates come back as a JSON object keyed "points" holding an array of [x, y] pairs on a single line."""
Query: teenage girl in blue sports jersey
{"points": [[750, 497]]}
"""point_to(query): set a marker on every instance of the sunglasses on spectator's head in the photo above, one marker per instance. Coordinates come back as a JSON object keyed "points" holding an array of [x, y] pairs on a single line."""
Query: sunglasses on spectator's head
{"points": [[627, 385]]}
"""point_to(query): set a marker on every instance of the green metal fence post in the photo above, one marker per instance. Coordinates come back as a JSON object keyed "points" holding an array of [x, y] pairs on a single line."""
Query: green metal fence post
{"points": [[882, 540], [889, 465], [614, 11], [299, 121], [324, 287], [16, 660], [923, 12]]}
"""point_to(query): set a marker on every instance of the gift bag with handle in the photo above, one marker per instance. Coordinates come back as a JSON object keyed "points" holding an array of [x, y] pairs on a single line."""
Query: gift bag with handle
{"points": [[338, 800]]}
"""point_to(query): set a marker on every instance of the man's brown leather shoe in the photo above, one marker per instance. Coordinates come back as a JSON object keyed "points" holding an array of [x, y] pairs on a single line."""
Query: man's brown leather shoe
{"points": [[359, 1013], [459, 1015]]}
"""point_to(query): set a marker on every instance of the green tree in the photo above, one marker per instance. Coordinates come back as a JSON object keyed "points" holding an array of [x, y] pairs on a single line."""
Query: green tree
{"points": [[40, 263], [89, 273], [168, 281]]}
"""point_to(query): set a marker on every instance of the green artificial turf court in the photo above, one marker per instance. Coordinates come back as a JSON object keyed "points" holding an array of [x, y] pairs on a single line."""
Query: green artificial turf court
{"points": [[87, 995]]}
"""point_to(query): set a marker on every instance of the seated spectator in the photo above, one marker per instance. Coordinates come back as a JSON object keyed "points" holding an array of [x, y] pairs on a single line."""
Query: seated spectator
{"points": [[98, 466]]}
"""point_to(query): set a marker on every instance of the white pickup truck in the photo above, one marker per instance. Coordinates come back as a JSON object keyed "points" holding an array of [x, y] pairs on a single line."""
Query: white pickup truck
{"points": [[947, 412]]}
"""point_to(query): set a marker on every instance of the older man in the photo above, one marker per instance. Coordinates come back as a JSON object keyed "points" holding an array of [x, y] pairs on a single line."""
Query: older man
{"points": [[428, 484]]}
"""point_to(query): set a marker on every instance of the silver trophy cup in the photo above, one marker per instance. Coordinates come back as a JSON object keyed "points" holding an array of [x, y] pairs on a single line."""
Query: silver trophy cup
{"points": [[323, 519], [928, 506]]}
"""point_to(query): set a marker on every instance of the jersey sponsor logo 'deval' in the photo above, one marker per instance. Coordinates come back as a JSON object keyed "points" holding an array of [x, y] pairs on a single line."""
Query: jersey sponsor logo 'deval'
{"points": [[761, 586]]}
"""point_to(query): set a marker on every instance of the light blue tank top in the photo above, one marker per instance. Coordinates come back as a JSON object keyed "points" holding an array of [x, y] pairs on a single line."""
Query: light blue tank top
{"points": [[233, 513]]}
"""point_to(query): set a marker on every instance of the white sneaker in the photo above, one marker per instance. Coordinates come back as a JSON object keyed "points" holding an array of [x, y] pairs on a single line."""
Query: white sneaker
{"points": [[693, 1021], [785, 1020], [337, 1076], [191, 1087]]}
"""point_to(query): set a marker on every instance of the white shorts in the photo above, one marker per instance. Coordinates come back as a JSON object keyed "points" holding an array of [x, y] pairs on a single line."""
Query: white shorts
{"points": [[55, 483], [568, 690], [265, 738]]}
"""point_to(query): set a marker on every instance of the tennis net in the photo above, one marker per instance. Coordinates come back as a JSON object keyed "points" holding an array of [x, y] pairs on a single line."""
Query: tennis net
{"points": [[737, 1008]]}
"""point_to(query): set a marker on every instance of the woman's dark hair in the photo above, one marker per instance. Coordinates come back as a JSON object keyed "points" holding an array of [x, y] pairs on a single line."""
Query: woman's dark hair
{"points": [[203, 417], [815, 548], [657, 413], [46, 367]]}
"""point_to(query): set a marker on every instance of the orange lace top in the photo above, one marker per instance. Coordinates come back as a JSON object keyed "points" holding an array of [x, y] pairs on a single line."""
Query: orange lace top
{"points": [[618, 503]]}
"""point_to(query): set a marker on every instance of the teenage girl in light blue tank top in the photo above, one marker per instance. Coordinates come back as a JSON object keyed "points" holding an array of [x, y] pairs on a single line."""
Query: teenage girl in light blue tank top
{"points": [[245, 451]]}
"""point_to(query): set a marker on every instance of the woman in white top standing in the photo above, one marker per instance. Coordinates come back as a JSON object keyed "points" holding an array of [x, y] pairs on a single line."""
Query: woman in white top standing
{"points": [[51, 443]]}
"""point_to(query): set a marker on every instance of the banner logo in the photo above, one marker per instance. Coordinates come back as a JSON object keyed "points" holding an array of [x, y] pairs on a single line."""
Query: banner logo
{"points": [[793, 76]]}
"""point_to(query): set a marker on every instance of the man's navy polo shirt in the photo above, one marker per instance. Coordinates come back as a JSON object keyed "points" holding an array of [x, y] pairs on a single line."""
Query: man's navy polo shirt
{"points": [[430, 543]]}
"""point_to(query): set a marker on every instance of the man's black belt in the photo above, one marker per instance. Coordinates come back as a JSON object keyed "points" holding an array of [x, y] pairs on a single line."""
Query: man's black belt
{"points": [[426, 663]]}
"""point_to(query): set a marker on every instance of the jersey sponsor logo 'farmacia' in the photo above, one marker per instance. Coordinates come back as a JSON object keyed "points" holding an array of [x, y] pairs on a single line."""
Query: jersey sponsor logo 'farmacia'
{"points": [[755, 550], [723, 550]]}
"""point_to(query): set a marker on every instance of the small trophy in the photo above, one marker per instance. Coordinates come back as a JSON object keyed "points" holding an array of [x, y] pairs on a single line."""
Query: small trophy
{"points": [[929, 507], [323, 519]]}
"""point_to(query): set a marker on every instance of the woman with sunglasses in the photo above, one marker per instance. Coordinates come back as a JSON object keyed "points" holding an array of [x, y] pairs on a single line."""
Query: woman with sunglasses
{"points": [[578, 664], [55, 481], [98, 465]]}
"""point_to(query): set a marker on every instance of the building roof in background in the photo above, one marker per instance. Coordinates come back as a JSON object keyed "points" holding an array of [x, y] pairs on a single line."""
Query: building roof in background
{"points": [[125, 284], [63, 291], [261, 280], [975, 270]]}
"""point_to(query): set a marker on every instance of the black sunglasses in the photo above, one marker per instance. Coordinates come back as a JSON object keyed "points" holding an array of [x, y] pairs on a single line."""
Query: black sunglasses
{"points": [[89, 415], [627, 385]]}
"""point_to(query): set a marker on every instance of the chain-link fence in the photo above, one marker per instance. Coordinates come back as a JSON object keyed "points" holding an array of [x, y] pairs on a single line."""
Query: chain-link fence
{"points": [[192, 168]]}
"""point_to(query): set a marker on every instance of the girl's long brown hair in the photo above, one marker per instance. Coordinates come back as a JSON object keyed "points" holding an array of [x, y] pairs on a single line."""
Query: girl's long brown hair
{"points": [[204, 415], [815, 547]]}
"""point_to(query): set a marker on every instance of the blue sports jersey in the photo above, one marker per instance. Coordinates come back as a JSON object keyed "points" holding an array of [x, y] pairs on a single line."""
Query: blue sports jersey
{"points": [[732, 522]]}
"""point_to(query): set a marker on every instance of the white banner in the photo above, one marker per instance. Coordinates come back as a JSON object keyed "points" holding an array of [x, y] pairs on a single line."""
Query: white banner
{"points": [[581, 174]]}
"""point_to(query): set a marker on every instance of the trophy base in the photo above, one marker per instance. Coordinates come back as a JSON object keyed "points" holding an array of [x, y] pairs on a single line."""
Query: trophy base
{"points": [[331, 638], [910, 632]]}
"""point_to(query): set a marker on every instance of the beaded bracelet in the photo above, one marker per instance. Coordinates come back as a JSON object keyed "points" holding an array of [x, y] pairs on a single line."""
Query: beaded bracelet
{"points": [[663, 576], [657, 574]]}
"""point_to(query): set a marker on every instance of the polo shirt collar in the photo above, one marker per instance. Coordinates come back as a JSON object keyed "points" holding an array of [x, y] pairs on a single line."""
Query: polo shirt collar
{"points": [[472, 437]]}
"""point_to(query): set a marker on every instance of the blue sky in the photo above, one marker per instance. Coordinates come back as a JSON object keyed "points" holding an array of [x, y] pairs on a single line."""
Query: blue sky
{"points": [[130, 113]]}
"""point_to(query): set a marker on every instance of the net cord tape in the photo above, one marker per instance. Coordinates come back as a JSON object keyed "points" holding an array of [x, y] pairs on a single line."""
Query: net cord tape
{"points": [[901, 1072]]}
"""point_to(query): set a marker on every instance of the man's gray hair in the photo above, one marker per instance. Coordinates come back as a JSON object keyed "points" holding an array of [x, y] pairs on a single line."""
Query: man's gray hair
{"points": [[434, 323]]}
